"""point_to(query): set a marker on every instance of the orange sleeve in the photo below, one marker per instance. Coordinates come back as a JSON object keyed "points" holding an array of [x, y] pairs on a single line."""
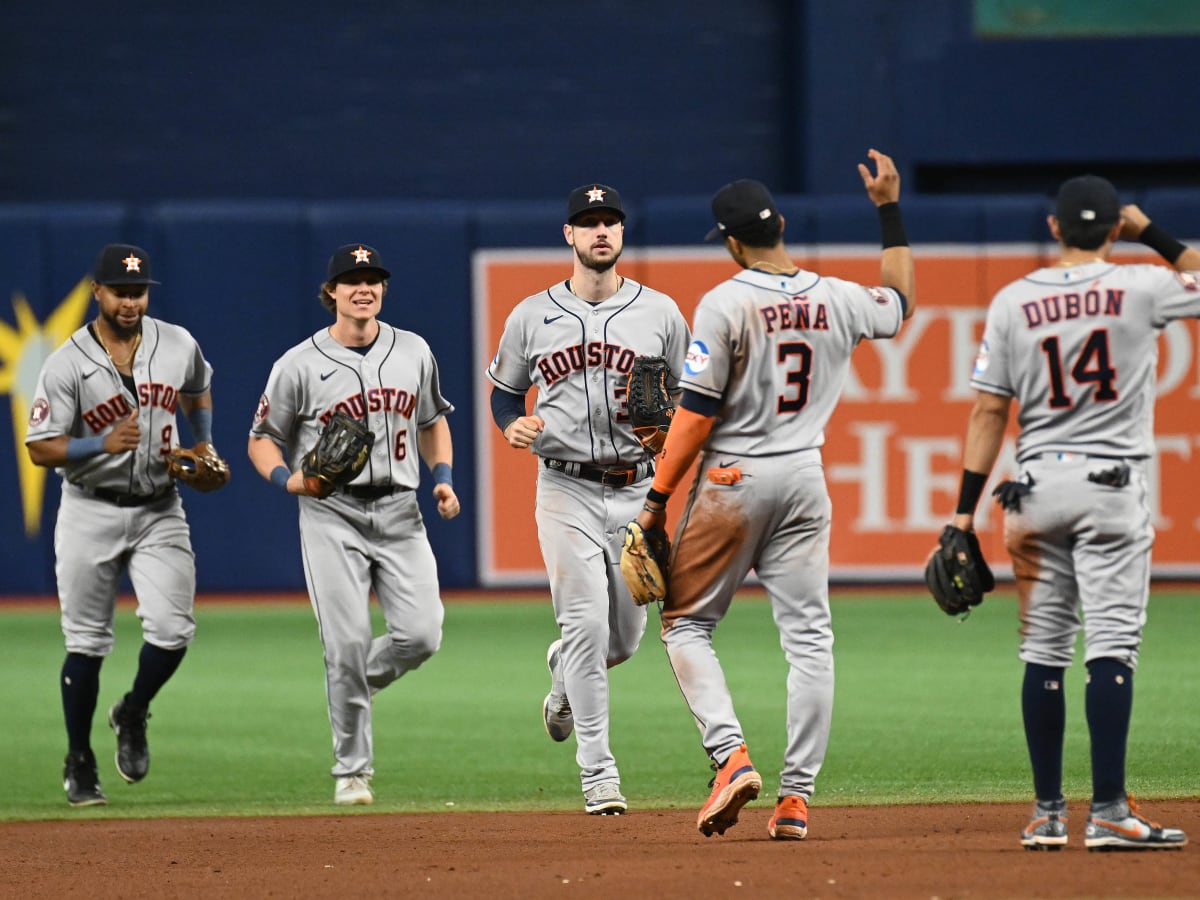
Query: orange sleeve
{"points": [[688, 433]]}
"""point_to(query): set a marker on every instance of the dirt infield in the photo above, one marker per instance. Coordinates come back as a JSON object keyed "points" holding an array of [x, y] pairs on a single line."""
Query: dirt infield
{"points": [[922, 852]]}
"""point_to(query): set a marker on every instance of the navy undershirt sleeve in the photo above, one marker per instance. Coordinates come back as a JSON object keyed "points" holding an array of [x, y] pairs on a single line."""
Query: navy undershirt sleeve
{"points": [[699, 403], [506, 407]]}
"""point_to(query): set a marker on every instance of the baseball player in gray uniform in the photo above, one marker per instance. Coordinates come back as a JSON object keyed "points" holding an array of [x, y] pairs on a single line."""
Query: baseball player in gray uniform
{"points": [[769, 356], [1075, 345], [104, 417], [367, 536], [576, 342]]}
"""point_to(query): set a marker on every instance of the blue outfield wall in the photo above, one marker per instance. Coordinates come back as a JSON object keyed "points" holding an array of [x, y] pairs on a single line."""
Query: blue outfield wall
{"points": [[244, 279]]}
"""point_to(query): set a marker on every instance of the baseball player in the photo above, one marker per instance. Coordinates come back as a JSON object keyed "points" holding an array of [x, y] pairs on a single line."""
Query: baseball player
{"points": [[367, 536], [770, 353], [1075, 345], [104, 417], [576, 341]]}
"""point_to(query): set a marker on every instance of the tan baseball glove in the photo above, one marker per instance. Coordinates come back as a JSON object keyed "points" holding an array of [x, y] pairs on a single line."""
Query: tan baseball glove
{"points": [[644, 563], [201, 468]]}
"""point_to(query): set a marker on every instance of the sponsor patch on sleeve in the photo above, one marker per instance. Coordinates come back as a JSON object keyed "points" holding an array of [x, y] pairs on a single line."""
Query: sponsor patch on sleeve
{"points": [[981, 360], [696, 360]]}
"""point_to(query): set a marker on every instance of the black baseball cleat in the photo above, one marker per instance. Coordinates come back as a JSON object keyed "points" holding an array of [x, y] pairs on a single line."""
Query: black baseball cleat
{"points": [[133, 754], [80, 780]]}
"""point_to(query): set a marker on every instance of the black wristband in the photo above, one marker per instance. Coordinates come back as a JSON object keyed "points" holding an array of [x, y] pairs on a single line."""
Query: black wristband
{"points": [[891, 225], [1163, 244], [657, 496], [969, 492]]}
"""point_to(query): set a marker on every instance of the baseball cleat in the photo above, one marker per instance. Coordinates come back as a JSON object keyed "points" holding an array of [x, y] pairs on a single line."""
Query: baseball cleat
{"points": [[556, 709], [605, 799], [735, 784], [1047, 829], [133, 753], [1121, 826], [80, 780], [789, 822], [353, 790]]}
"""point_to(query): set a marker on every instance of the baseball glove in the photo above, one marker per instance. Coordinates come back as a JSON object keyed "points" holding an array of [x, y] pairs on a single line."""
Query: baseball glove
{"points": [[956, 573], [650, 406], [644, 563], [341, 452], [200, 468]]}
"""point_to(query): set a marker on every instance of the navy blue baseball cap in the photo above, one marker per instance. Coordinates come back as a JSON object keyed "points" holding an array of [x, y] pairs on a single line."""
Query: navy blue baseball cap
{"points": [[739, 206], [1089, 200], [350, 257], [594, 196], [122, 264]]}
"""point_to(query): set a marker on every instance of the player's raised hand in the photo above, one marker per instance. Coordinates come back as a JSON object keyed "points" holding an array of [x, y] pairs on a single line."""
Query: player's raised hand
{"points": [[884, 186], [1133, 222], [524, 431], [124, 436]]}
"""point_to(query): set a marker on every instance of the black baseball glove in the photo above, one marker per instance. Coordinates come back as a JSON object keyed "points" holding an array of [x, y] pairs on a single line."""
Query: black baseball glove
{"points": [[650, 406], [339, 455], [956, 573]]}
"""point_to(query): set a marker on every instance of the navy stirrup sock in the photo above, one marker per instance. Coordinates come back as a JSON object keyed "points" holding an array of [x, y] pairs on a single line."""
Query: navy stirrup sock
{"points": [[1044, 709]]}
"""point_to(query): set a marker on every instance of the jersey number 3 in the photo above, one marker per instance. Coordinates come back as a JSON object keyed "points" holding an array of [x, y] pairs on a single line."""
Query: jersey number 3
{"points": [[797, 377], [1092, 366]]}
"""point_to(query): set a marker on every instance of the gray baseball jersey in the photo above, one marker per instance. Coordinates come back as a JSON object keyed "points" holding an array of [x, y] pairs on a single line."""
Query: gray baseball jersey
{"points": [[578, 355], [1077, 349], [775, 350], [80, 394], [354, 544]]}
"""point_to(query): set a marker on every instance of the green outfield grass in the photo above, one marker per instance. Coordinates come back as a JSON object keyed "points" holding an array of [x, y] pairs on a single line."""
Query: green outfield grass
{"points": [[927, 711]]}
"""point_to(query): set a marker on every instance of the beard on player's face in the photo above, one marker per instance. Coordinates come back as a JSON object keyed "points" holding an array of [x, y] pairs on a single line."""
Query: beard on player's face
{"points": [[590, 261], [121, 330]]}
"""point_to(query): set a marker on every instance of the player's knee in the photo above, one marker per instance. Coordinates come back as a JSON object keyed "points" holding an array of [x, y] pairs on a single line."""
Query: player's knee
{"points": [[417, 645], [170, 633]]}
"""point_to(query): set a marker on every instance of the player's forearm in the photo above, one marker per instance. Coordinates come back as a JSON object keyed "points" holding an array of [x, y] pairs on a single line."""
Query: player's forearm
{"points": [[897, 271], [689, 431], [1188, 261], [265, 456], [50, 452], [198, 411], [985, 433], [507, 407], [435, 444]]}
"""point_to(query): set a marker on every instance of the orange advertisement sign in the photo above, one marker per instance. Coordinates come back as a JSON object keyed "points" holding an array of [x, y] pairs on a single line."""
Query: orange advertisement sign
{"points": [[893, 447]]}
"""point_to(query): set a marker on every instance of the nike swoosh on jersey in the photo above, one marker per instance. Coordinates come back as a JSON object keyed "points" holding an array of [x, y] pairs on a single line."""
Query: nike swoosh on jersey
{"points": [[89, 374], [546, 320], [328, 374], [727, 464]]}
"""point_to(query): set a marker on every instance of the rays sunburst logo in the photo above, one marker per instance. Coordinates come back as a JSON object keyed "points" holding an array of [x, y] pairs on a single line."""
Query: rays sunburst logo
{"points": [[23, 350]]}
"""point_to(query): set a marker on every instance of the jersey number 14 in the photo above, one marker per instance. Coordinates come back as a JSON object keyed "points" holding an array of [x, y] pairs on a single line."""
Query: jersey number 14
{"points": [[1092, 366]]}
